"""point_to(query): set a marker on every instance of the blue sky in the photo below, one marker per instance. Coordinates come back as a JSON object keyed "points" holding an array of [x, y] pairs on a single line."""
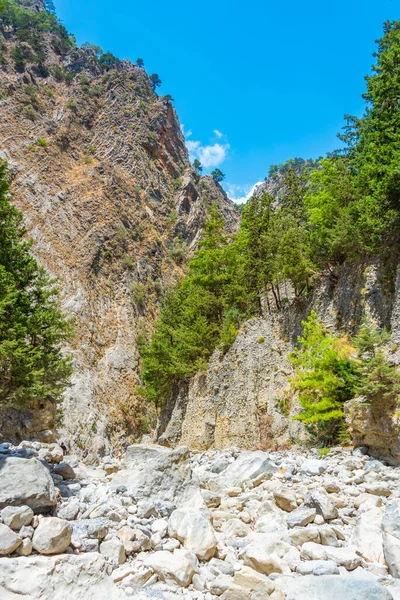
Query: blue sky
{"points": [[254, 83]]}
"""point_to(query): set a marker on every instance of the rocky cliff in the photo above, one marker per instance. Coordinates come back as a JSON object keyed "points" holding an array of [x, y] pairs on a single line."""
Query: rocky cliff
{"points": [[100, 170], [240, 400]]}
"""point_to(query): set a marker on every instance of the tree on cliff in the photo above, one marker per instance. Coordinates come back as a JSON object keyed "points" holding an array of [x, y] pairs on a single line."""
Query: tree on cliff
{"points": [[155, 81], [32, 327], [218, 175], [197, 166], [49, 6]]}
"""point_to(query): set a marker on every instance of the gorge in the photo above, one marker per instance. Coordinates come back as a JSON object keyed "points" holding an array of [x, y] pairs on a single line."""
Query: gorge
{"points": [[198, 399]]}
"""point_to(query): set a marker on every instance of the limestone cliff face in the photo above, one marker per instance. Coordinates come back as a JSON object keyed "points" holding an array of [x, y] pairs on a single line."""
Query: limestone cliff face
{"points": [[100, 169], [240, 400]]}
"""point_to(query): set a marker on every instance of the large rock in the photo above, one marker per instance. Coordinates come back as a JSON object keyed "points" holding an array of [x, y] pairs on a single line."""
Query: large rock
{"points": [[367, 536], [374, 426], [66, 577], [332, 587], [391, 537], [9, 541], [157, 472], [26, 482], [178, 567], [249, 466], [192, 527], [52, 536]]}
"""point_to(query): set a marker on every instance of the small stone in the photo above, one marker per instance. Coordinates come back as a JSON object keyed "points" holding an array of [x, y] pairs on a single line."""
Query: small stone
{"points": [[65, 470], [220, 584], [25, 549], [26, 532], [313, 466], [286, 500], [160, 526], [250, 585], [317, 567], [114, 551], [9, 541], [16, 517], [301, 517], [179, 566], [69, 511]]}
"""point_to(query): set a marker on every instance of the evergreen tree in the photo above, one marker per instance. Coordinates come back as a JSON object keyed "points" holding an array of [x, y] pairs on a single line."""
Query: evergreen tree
{"points": [[325, 379], [32, 328], [108, 61], [140, 63], [49, 6], [155, 81], [197, 166], [197, 315], [218, 175]]}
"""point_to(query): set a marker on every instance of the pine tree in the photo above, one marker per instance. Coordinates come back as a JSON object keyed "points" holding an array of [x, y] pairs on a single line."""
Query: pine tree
{"points": [[197, 166], [191, 319], [218, 175], [155, 81], [32, 327], [325, 378]]}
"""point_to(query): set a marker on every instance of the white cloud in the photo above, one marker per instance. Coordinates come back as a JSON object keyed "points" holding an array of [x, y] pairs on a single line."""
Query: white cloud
{"points": [[210, 155], [240, 193]]}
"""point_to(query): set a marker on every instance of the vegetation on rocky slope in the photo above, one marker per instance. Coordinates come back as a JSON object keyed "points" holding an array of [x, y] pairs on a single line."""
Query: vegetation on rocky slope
{"points": [[331, 370], [99, 168], [347, 210]]}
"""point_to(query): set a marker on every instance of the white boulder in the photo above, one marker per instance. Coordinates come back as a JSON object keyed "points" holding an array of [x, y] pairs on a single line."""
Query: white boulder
{"points": [[192, 527], [52, 536]]}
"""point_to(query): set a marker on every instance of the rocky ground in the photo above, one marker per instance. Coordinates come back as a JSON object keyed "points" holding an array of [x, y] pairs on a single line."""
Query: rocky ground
{"points": [[161, 523]]}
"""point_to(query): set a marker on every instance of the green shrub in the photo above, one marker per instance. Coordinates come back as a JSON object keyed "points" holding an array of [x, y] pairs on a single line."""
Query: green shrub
{"points": [[178, 250], [128, 261], [58, 73], [177, 183], [42, 143], [139, 293], [30, 112]]}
